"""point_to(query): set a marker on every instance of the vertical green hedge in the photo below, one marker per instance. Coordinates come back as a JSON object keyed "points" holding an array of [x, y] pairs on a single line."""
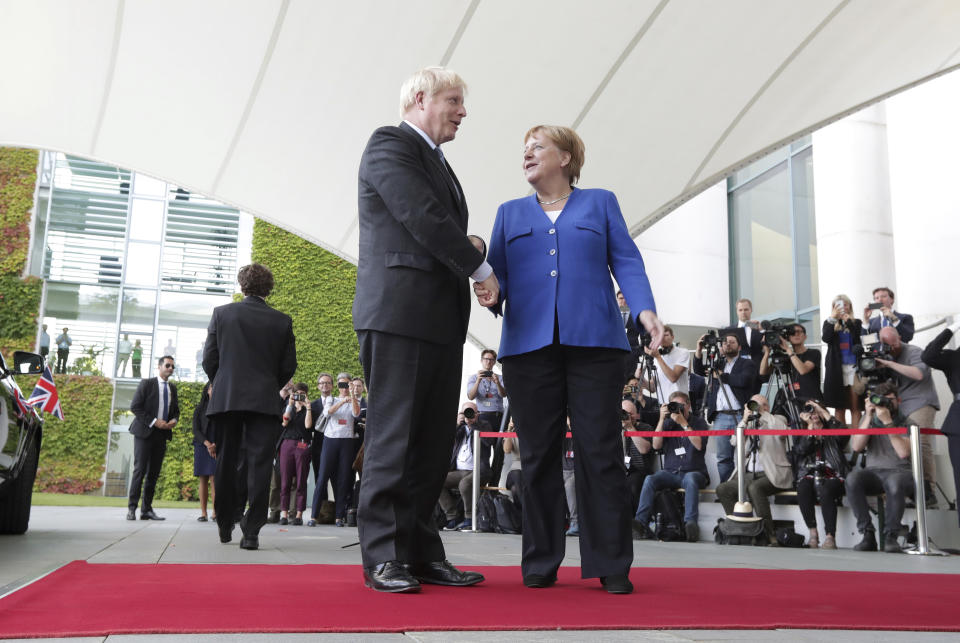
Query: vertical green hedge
{"points": [[315, 288], [73, 451], [176, 480], [19, 299]]}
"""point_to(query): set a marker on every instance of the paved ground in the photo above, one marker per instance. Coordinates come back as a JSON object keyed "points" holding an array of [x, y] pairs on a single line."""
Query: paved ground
{"points": [[59, 535]]}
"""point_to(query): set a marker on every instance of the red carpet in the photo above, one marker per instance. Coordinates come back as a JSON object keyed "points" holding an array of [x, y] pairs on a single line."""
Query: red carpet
{"points": [[97, 600]]}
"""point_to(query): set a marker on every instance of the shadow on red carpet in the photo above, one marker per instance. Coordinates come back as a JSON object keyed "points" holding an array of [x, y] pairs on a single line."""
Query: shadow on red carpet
{"points": [[82, 599]]}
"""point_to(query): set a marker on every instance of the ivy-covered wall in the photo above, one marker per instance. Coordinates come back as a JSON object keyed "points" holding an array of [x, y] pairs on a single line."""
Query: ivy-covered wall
{"points": [[73, 451], [315, 288], [19, 298], [176, 480]]}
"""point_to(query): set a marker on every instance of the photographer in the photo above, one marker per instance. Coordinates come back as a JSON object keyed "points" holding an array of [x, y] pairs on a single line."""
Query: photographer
{"points": [[294, 457], [460, 474], [339, 440], [633, 336], [638, 453], [887, 317], [887, 470], [646, 406], [767, 466], [732, 380], [820, 468], [486, 388], [514, 480], [919, 402], [671, 363], [683, 466], [841, 333], [804, 365]]}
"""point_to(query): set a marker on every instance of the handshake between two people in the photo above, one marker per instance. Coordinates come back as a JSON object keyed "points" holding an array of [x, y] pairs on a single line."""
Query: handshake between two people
{"points": [[487, 290]]}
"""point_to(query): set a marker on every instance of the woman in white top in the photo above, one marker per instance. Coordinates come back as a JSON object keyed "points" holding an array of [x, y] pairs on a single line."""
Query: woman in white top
{"points": [[336, 458]]}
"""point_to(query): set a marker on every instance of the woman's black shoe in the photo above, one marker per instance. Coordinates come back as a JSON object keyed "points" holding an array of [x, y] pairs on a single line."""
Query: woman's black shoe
{"points": [[297, 522], [284, 521], [617, 584], [538, 581]]}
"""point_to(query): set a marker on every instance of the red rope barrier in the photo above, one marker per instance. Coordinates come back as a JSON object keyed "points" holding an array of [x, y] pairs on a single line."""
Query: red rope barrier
{"points": [[712, 433]]}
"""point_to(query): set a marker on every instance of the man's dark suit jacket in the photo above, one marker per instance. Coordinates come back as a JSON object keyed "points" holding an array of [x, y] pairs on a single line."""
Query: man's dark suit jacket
{"points": [[146, 401], [753, 348], [250, 353], [741, 379], [904, 328], [414, 256], [948, 361]]}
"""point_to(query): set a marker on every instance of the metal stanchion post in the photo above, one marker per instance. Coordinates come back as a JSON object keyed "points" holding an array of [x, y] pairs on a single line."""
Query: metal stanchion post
{"points": [[920, 496], [741, 465], [476, 479]]}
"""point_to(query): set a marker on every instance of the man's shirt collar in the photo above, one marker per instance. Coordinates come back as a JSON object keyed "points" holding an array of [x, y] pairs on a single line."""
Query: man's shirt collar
{"points": [[425, 136]]}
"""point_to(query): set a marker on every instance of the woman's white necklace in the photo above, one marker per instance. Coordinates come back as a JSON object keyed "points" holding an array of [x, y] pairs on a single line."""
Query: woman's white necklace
{"points": [[542, 202]]}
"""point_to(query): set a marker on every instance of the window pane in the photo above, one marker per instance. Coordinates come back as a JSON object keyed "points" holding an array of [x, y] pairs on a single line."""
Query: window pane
{"points": [[143, 263], [148, 186], [806, 230], [90, 314], [761, 242], [146, 219], [182, 329]]}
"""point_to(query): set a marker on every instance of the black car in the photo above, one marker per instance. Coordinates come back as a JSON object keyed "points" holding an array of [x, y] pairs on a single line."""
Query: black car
{"points": [[21, 429]]}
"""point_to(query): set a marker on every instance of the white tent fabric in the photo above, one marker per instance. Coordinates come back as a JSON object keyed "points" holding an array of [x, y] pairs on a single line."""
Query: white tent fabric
{"points": [[267, 104]]}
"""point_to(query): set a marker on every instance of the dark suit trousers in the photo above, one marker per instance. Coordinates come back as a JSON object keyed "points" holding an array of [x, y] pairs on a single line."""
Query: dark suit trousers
{"points": [[411, 417], [953, 448], [543, 386], [252, 436], [147, 459]]}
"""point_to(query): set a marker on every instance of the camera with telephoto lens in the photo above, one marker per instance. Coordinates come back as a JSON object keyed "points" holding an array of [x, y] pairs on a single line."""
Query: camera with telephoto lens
{"points": [[630, 392], [469, 413], [711, 339], [881, 400], [867, 366], [675, 407], [624, 416]]}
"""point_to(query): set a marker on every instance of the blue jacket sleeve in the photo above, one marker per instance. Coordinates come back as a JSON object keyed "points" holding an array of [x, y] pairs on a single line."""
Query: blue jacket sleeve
{"points": [[625, 261], [497, 258]]}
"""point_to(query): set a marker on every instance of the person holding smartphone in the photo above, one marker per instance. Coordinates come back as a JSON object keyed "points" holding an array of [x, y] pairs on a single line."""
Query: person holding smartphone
{"points": [[841, 333], [294, 454], [883, 302], [336, 460]]}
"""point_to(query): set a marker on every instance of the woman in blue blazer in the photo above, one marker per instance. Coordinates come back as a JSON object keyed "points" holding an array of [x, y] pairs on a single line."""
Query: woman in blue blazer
{"points": [[562, 348]]}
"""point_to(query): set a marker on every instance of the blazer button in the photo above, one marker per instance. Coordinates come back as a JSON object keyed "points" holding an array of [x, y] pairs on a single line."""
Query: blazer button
{"points": [[553, 251], [552, 231], [553, 273]]}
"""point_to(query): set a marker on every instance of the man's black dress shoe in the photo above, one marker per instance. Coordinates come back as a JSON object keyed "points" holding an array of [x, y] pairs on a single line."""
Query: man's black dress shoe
{"points": [[538, 581], [250, 542], [390, 576], [442, 572], [617, 584], [131, 515], [150, 515], [226, 533]]}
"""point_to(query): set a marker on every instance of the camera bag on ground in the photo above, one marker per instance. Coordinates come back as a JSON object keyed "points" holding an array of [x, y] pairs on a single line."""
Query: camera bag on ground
{"points": [[509, 520], [668, 507], [736, 532], [787, 537]]}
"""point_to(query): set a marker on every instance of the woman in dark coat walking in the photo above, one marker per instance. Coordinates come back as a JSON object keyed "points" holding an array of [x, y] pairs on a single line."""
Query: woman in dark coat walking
{"points": [[204, 464]]}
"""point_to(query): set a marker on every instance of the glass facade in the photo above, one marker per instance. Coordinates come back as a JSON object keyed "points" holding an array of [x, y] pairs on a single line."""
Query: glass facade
{"points": [[773, 237], [133, 267]]}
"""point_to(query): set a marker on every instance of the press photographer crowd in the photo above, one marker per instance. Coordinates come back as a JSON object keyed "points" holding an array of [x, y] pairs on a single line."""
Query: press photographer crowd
{"points": [[753, 375]]}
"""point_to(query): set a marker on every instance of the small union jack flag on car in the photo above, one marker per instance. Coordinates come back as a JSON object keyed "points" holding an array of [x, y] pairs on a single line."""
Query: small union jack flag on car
{"points": [[45, 395], [22, 408]]}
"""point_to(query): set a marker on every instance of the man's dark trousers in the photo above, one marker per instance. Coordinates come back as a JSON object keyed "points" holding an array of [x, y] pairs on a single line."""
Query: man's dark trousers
{"points": [[147, 459], [411, 417], [252, 436]]}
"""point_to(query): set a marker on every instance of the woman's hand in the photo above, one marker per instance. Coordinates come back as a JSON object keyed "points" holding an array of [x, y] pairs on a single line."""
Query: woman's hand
{"points": [[211, 448], [487, 291], [654, 326]]}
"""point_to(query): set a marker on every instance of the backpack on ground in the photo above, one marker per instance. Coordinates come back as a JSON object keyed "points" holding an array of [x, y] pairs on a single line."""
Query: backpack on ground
{"points": [[668, 508], [487, 512], [509, 520]]}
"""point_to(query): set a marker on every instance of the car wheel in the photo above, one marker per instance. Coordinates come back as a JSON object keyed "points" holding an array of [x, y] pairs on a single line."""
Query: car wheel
{"points": [[15, 506]]}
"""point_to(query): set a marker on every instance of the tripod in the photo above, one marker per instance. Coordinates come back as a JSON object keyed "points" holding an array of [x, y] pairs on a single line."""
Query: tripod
{"points": [[783, 375]]}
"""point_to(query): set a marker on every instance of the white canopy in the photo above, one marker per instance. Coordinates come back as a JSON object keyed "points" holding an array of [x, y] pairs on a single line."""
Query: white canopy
{"points": [[267, 104]]}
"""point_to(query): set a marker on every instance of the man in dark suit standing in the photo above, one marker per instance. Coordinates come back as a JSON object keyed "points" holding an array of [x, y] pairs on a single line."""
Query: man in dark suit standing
{"points": [[155, 413], [410, 312], [250, 353], [631, 360]]}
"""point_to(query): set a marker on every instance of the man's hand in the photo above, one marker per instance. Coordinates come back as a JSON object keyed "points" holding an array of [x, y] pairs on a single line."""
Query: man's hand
{"points": [[487, 291], [654, 327], [650, 351]]}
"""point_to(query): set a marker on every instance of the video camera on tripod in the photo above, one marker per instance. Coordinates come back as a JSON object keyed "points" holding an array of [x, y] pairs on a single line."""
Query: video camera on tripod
{"points": [[772, 335]]}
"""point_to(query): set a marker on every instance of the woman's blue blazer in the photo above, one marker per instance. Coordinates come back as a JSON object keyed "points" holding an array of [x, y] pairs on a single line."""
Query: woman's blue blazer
{"points": [[564, 268]]}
